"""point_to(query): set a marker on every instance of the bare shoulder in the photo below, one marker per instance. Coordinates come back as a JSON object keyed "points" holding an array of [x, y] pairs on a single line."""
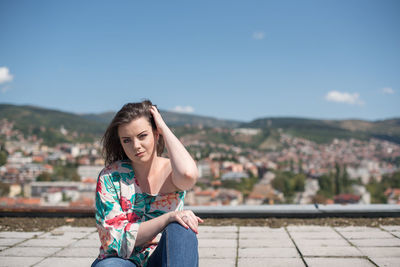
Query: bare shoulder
{"points": [[165, 164], [166, 169]]}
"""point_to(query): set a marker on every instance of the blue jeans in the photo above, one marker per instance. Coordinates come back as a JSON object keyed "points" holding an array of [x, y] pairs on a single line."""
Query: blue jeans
{"points": [[178, 247]]}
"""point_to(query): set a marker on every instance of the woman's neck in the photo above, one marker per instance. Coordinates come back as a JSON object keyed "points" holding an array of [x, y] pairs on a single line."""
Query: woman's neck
{"points": [[145, 170]]}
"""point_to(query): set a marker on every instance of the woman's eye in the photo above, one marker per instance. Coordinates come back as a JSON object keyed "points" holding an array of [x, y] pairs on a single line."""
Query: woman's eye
{"points": [[142, 136], [126, 141]]}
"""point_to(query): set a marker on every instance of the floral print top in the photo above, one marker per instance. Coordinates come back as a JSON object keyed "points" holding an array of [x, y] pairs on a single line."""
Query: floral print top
{"points": [[120, 208]]}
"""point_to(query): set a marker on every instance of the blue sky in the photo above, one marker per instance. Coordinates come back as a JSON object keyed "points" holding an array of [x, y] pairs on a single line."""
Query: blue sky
{"points": [[227, 59]]}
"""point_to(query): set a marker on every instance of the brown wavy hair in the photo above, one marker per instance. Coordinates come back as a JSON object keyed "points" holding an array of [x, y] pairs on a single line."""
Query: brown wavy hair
{"points": [[112, 148]]}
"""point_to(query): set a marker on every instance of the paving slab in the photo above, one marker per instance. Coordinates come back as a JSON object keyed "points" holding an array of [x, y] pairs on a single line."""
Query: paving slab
{"points": [[47, 242], [386, 262], [315, 235], [222, 243], [264, 243], [93, 236], [24, 235], [78, 252], [64, 235], [217, 262], [30, 252], [10, 241], [391, 228], [263, 235], [330, 251], [215, 253], [224, 229], [257, 229], [87, 243], [62, 262], [378, 242], [366, 235], [301, 243], [397, 234], [18, 261], [339, 262], [381, 252], [270, 262], [217, 235], [357, 229], [308, 228], [76, 229], [268, 253]]}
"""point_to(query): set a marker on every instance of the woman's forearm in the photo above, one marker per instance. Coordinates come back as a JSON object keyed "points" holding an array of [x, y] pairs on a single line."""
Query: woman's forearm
{"points": [[149, 229], [184, 169]]}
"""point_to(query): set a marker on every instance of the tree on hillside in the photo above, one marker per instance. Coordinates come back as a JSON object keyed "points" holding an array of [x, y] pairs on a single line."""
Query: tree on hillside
{"points": [[61, 172], [326, 185], [3, 155], [338, 183], [377, 189], [346, 180], [4, 189], [44, 177], [289, 183]]}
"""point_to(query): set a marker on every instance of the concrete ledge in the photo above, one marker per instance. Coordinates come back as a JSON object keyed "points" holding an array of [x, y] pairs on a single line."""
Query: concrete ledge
{"points": [[297, 211], [371, 210]]}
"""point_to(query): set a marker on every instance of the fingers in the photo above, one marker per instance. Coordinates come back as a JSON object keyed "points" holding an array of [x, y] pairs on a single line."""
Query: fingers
{"points": [[193, 224], [181, 222], [153, 109], [157, 119], [188, 220], [199, 219], [192, 220]]}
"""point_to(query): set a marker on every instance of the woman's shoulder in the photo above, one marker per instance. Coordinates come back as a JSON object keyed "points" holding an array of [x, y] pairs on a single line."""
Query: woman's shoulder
{"points": [[166, 173], [165, 161]]}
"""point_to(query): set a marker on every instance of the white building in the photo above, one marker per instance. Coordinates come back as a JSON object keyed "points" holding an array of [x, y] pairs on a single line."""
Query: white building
{"points": [[89, 171]]}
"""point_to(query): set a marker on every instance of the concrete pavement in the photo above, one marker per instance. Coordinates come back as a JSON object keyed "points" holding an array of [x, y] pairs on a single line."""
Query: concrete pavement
{"points": [[225, 246]]}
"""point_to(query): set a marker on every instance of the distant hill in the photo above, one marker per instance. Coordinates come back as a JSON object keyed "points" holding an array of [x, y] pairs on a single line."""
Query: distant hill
{"points": [[325, 130], [46, 124], [104, 117], [174, 119]]}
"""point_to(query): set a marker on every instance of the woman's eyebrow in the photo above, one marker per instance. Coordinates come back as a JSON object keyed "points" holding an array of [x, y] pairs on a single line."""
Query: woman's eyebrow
{"points": [[142, 132]]}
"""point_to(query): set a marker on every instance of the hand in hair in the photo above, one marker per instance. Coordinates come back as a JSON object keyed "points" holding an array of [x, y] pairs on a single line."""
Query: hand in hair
{"points": [[161, 125]]}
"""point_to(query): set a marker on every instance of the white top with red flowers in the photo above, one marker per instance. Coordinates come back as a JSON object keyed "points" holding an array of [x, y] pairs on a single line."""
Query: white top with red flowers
{"points": [[120, 208]]}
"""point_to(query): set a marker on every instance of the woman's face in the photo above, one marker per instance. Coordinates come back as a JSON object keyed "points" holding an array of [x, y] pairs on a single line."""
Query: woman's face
{"points": [[138, 140]]}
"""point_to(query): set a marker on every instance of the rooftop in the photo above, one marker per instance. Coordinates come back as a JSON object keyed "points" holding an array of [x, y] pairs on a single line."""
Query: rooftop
{"points": [[288, 242]]}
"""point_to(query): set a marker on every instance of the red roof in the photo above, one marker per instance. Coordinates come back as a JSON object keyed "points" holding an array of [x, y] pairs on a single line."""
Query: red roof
{"points": [[392, 191], [346, 198]]}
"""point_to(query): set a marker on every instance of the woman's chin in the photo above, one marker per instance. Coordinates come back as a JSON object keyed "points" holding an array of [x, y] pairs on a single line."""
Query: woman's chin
{"points": [[141, 159]]}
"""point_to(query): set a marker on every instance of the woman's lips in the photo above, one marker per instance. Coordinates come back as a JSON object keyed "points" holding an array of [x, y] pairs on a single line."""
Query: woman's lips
{"points": [[139, 154]]}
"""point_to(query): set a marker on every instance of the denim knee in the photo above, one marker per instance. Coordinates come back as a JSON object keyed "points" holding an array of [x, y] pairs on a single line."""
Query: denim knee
{"points": [[178, 247], [113, 261], [176, 230]]}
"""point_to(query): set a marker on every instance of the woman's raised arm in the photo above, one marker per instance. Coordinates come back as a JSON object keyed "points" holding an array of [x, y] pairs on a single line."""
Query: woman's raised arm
{"points": [[184, 169]]}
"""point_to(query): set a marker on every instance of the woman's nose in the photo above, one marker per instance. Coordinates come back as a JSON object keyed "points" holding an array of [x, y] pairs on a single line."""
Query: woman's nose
{"points": [[136, 145]]}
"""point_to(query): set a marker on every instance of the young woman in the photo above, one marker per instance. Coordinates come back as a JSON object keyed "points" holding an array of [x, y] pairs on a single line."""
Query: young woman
{"points": [[140, 194]]}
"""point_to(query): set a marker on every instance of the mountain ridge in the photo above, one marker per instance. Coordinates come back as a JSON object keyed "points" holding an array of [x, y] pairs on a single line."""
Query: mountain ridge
{"points": [[32, 120]]}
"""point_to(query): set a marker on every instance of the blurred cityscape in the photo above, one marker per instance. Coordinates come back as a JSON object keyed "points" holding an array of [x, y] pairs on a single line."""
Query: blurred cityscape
{"points": [[292, 170]]}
